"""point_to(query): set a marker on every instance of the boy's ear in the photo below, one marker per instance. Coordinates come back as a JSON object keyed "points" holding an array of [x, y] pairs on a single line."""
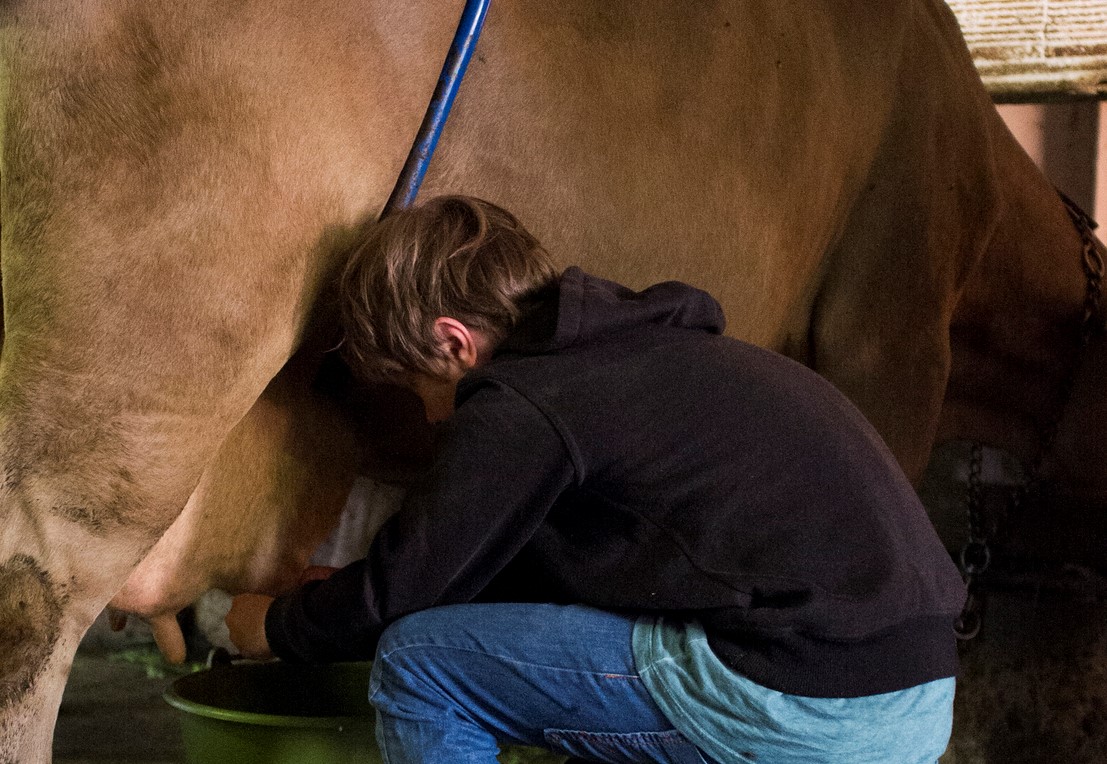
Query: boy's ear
{"points": [[457, 342]]}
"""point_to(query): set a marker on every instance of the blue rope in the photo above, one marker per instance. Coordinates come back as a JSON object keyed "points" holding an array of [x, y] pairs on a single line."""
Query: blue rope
{"points": [[453, 70]]}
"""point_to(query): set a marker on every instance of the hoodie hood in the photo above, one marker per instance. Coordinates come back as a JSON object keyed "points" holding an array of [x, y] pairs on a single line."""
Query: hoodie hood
{"points": [[583, 307]]}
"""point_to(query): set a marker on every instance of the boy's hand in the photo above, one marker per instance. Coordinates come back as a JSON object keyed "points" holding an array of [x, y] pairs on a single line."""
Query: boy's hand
{"points": [[246, 623], [246, 618]]}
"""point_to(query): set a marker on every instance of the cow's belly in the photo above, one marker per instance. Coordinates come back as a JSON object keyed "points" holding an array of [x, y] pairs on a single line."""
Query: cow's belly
{"points": [[726, 165]]}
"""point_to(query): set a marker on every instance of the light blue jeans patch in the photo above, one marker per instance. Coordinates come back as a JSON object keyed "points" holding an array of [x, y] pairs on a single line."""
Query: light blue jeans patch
{"points": [[734, 719]]}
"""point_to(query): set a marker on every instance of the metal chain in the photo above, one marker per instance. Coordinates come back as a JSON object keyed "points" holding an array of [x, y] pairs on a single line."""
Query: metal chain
{"points": [[976, 554], [1092, 263]]}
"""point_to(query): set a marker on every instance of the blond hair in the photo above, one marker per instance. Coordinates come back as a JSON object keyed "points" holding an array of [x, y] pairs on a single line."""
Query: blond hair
{"points": [[453, 256]]}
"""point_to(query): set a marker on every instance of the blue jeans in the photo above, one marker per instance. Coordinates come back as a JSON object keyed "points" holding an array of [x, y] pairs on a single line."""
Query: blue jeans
{"points": [[450, 683]]}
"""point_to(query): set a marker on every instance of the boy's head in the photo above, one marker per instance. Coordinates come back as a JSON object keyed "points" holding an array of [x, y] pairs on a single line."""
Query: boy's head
{"points": [[453, 257]]}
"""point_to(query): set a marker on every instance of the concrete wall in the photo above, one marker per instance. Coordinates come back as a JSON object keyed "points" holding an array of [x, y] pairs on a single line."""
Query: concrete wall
{"points": [[1069, 143]]}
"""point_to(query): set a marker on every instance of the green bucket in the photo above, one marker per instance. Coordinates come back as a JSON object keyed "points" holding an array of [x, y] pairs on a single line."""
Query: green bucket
{"points": [[276, 713]]}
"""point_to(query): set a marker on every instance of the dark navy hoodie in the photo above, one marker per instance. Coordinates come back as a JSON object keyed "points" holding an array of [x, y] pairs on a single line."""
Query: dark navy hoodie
{"points": [[618, 452]]}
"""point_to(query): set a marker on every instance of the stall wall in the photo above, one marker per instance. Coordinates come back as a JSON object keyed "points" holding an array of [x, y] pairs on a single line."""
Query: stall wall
{"points": [[1069, 143]]}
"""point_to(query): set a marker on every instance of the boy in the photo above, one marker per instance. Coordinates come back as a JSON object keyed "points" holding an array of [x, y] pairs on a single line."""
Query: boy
{"points": [[638, 541]]}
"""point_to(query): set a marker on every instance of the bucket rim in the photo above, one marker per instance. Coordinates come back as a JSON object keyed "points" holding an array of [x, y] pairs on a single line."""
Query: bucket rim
{"points": [[290, 721], [252, 717]]}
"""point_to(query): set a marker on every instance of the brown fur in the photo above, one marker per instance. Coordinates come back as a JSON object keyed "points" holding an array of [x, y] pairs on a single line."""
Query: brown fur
{"points": [[179, 180]]}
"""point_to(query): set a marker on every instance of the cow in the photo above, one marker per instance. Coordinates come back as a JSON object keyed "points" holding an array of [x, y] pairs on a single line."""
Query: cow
{"points": [[180, 183]]}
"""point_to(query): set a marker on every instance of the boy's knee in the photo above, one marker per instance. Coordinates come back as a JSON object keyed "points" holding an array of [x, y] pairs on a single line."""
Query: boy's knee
{"points": [[407, 671], [402, 652], [389, 675]]}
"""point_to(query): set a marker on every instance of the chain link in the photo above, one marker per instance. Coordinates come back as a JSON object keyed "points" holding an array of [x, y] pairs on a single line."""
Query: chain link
{"points": [[976, 554]]}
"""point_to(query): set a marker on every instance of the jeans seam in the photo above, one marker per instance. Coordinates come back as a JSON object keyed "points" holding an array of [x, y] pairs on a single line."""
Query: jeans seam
{"points": [[423, 646], [568, 740], [640, 735]]}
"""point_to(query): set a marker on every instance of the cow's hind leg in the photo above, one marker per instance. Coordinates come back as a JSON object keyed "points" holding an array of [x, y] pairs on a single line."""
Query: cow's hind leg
{"points": [[881, 321], [87, 485]]}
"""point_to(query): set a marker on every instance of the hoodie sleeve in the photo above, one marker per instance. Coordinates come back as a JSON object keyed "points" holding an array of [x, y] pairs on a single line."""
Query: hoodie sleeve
{"points": [[500, 467]]}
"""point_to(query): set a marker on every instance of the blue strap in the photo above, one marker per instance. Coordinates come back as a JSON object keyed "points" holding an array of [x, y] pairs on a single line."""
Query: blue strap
{"points": [[453, 70]]}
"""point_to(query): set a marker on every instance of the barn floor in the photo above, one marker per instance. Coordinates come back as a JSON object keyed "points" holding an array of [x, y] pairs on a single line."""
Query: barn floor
{"points": [[112, 711]]}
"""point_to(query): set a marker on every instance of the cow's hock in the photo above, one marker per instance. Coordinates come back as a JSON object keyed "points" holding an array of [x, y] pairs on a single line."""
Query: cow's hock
{"points": [[30, 614]]}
